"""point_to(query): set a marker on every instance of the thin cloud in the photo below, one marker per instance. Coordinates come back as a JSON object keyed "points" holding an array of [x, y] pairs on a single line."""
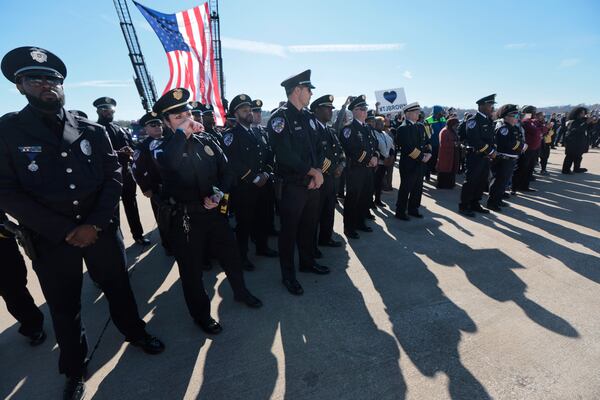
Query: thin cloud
{"points": [[518, 46], [100, 84], [273, 49], [569, 62], [251, 46], [407, 74], [327, 48]]}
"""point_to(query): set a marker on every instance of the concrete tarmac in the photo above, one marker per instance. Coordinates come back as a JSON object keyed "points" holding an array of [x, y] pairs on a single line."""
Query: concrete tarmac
{"points": [[502, 306]]}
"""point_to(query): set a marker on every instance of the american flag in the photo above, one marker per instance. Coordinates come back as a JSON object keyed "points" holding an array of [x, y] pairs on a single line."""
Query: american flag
{"points": [[187, 39]]}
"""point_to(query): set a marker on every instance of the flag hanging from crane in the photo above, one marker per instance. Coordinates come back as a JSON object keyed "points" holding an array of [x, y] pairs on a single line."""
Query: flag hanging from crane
{"points": [[187, 39]]}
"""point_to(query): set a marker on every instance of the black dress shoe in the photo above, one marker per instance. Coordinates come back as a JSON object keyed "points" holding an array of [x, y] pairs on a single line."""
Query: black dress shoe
{"points": [[505, 195], [494, 207], [267, 253], [380, 204], [528, 190], [37, 338], [316, 269], [415, 214], [318, 254], [402, 216], [74, 388], [293, 286], [331, 243], [467, 212], [513, 192], [351, 234], [504, 204], [211, 326], [249, 300], [150, 344], [580, 170], [479, 209], [365, 228], [142, 241], [248, 266], [370, 216], [566, 172]]}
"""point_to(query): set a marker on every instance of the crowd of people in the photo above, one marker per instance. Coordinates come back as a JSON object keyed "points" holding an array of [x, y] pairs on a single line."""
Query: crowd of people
{"points": [[62, 177]]}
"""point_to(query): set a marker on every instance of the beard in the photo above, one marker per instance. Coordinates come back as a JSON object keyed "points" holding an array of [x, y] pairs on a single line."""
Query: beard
{"points": [[52, 106]]}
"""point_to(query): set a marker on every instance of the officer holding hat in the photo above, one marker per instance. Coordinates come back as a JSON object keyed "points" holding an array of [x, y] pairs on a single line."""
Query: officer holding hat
{"points": [[60, 178], [415, 152], [361, 154], [245, 151], [480, 150], [298, 162], [508, 147], [122, 143], [193, 213], [333, 165]]}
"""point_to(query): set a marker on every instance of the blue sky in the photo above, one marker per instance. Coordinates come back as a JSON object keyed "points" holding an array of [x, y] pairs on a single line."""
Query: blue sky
{"points": [[450, 53]]}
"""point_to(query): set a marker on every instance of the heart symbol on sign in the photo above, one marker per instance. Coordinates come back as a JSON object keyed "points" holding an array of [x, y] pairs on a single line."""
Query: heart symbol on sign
{"points": [[390, 96]]}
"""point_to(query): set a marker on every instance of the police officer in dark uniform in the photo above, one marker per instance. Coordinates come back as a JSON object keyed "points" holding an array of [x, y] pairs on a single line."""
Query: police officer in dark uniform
{"points": [[245, 151], [210, 125], [267, 192], [332, 168], [13, 287], [60, 178], [508, 148], [298, 161], [144, 169], [480, 149], [576, 140], [196, 180], [361, 154], [123, 145], [415, 152]]}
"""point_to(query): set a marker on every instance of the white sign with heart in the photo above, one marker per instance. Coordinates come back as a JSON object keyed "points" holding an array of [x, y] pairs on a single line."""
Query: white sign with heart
{"points": [[390, 101]]}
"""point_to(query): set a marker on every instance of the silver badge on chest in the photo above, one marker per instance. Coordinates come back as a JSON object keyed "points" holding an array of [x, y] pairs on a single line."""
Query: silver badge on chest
{"points": [[86, 147], [33, 167]]}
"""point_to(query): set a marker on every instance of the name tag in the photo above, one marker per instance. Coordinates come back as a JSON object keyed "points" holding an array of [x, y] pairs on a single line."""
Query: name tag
{"points": [[30, 149]]}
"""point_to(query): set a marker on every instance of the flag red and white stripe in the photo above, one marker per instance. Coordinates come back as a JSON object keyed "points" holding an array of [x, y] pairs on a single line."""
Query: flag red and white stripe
{"points": [[195, 69]]}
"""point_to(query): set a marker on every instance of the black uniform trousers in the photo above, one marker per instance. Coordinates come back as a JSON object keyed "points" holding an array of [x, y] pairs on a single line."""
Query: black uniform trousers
{"points": [[327, 201], [524, 170], [573, 157], [378, 182], [476, 180], [501, 171], [358, 193], [130, 205], [155, 203], [411, 185], [299, 214], [251, 217], [209, 231], [544, 155], [13, 289], [60, 272], [266, 198]]}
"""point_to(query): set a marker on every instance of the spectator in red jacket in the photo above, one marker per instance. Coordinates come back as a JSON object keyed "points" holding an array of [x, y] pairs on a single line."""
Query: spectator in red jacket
{"points": [[448, 156]]}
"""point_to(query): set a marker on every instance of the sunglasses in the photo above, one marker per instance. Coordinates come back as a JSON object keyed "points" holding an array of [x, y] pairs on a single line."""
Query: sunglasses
{"points": [[154, 124], [37, 81]]}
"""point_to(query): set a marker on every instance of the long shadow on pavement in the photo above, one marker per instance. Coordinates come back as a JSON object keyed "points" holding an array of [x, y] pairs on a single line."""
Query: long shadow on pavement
{"points": [[426, 323]]}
